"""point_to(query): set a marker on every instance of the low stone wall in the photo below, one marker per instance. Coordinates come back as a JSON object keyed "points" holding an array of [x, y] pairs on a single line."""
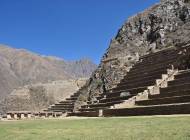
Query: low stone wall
{"points": [[33, 115], [156, 110]]}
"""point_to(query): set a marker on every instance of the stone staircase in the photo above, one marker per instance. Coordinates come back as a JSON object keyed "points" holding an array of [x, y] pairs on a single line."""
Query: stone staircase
{"points": [[64, 106], [153, 86], [173, 99]]}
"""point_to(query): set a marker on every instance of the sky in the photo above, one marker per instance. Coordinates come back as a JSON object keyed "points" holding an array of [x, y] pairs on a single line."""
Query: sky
{"points": [[69, 29]]}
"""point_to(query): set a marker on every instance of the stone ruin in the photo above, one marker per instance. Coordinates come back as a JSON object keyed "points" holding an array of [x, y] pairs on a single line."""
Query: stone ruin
{"points": [[158, 84], [145, 70]]}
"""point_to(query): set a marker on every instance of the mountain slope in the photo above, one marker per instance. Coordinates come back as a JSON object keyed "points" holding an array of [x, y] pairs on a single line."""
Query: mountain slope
{"points": [[19, 67]]}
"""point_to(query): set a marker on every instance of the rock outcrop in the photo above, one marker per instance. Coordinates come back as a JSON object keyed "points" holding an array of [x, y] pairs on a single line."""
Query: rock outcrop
{"points": [[163, 25]]}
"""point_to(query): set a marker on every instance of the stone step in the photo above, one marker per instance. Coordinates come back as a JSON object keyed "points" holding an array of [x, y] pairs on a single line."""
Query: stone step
{"points": [[179, 81], [92, 102], [185, 86], [180, 92], [167, 100], [154, 62], [125, 89], [135, 80], [105, 100], [85, 114], [77, 93], [74, 96], [108, 104], [63, 106], [93, 109], [116, 94], [54, 110], [140, 75], [160, 57], [72, 99], [68, 101], [157, 55], [137, 84], [86, 109], [182, 75], [148, 69], [164, 62], [61, 109], [115, 99], [166, 109], [152, 69], [184, 71]]}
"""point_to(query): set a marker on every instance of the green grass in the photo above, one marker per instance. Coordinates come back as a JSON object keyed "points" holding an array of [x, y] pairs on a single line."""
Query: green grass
{"points": [[133, 128]]}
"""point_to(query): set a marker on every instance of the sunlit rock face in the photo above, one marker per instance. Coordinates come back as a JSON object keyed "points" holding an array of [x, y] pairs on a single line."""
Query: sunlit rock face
{"points": [[161, 26]]}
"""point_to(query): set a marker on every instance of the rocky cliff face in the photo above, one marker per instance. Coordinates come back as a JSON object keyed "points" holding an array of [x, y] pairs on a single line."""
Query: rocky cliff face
{"points": [[163, 25]]}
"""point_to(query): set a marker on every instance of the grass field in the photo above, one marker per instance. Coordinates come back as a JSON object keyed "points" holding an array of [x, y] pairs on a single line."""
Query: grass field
{"points": [[133, 128]]}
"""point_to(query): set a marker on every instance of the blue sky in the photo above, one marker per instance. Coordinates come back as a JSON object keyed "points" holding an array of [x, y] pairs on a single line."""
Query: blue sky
{"points": [[70, 29]]}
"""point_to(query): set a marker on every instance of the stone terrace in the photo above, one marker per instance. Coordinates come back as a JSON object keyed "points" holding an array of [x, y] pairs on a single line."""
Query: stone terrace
{"points": [[154, 86], [64, 106]]}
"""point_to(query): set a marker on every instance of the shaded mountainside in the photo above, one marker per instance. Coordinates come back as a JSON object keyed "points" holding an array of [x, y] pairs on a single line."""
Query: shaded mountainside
{"points": [[19, 67], [163, 25]]}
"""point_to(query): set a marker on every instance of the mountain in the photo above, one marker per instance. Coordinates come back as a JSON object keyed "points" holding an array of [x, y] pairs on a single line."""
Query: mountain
{"points": [[165, 24], [20, 67]]}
